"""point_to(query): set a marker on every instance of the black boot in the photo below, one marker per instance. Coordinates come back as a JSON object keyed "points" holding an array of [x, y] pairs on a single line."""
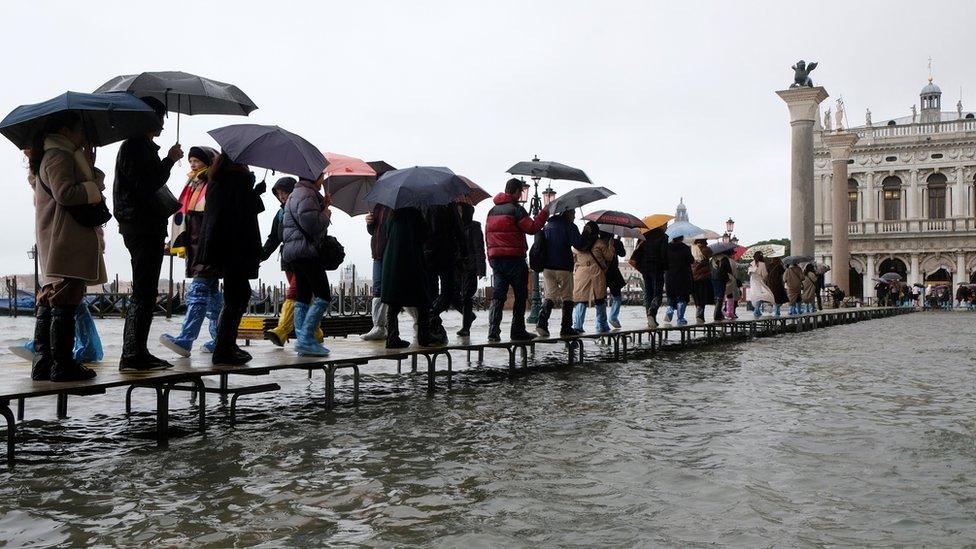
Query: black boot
{"points": [[495, 320], [542, 325], [63, 365], [718, 316], [41, 367], [517, 332], [424, 336], [393, 340], [135, 357], [467, 318], [437, 332], [566, 323], [226, 350]]}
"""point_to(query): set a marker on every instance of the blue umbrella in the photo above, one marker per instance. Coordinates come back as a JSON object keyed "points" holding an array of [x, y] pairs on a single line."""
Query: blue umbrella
{"points": [[683, 228], [108, 117], [270, 147], [416, 187]]}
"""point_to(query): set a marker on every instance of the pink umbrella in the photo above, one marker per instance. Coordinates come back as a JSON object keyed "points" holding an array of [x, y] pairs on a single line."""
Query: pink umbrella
{"points": [[349, 180], [475, 195], [739, 252]]}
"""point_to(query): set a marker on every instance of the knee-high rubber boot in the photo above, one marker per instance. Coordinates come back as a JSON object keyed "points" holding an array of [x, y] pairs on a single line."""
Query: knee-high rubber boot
{"points": [[378, 333], [579, 317], [542, 325], [306, 345], [424, 337], [614, 312], [393, 340], [63, 365], [652, 313], [214, 305], [88, 346], [777, 309], [197, 302], [286, 324], [682, 306], [602, 326], [757, 309], [699, 312], [717, 316], [41, 365], [495, 320], [668, 313], [467, 317], [566, 322], [226, 350]]}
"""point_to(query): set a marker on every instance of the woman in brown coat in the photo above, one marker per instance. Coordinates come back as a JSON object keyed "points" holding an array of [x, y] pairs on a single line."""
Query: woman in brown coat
{"points": [[592, 260], [809, 285], [793, 280], [701, 272], [69, 253]]}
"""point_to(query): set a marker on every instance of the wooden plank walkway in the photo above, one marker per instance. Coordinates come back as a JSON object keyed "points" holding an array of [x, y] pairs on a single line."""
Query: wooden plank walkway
{"points": [[189, 374]]}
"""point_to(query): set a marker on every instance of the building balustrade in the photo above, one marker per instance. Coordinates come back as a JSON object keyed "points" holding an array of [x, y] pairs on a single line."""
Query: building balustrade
{"points": [[901, 130], [861, 228]]}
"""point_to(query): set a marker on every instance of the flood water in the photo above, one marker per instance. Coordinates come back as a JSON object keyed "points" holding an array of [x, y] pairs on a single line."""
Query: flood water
{"points": [[859, 435]]}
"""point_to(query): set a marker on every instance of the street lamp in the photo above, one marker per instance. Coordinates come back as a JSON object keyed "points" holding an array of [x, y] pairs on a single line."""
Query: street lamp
{"points": [[729, 225], [548, 196], [726, 238], [535, 206], [735, 241], [524, 197], [32, 253]]}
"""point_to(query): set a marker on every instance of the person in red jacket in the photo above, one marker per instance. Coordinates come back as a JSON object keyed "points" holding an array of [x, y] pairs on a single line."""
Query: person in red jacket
{"points": [[505, 231]]}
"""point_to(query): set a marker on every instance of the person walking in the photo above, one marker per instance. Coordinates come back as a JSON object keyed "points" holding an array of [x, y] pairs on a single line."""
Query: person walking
{"points": [[231, 246], [793, 280], [506, 227], [203, 298], [62, 169], [306, 222], [774, 281], [560, 236], [809, 288], [140, 175], [404, 276], [678, 279], [590, 277], [650, 258], [470, 267], [279, 335], [615, 280], [445, 245], [759, 291], [720, 266], [702, 278], [376, 227]]}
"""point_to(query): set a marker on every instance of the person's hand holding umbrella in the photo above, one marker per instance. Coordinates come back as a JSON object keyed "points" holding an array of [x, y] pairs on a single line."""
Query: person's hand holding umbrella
{"points": [[175, 153]]}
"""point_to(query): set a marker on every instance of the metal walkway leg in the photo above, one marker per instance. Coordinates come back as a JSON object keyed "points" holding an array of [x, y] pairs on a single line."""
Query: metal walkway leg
{"points": [[11, 429]]}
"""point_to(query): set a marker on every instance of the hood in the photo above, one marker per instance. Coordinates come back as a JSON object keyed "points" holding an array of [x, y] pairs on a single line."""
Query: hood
{"points": [[502, 198]]}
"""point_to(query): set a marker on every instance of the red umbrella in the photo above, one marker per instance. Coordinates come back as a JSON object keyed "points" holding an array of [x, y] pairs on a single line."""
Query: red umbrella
{"points": [[739, 252], [475, 195], [612, 217], [349, 180]]}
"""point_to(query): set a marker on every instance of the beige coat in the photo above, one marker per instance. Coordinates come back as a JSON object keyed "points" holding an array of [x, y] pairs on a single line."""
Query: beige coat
{"points": [[590, 272], [793, 280], [65, 248], [810, 287]]}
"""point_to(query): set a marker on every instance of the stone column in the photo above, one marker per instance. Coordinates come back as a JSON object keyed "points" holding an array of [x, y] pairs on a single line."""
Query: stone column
{"points": [[802, 103], [869, 276], [913, 275], [912, 193], [870, 198], [961, 274], [958, 195], [840, 145]]}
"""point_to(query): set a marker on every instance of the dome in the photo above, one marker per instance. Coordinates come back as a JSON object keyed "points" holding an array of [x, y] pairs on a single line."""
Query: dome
{"points": [[931, 89]]}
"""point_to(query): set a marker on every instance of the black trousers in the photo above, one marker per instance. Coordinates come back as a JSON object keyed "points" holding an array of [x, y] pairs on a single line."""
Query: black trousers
{"points": [[237, 293], [146, 257], [310, 280], [442, 283]]}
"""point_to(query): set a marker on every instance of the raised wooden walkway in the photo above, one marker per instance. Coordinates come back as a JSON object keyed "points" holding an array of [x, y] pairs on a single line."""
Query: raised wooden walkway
{"points": [[189, 375]]}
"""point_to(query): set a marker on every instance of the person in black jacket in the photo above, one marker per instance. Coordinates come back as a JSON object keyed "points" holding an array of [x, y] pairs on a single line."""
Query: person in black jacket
{"points": [[139, 175], [651, 259], [679, 278], [469, 268], [231, 245], [445, 245], [559, 238]]}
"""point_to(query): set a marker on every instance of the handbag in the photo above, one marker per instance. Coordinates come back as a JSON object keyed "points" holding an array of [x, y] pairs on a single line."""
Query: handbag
{"points": [[331, 252], [165, 203], [87, 215]]}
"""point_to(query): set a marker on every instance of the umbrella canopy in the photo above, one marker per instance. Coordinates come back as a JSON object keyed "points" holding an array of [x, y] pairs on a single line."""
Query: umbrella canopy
{"points": [[768, 250], [625, 232], [549, 170], [183, 92], [475, 193], [349, 180], [738, 252], [654, 221], [722, 247], [576, 198], [271, 147], [107, 117], [706, 234], [889, 277], [380, 167], [416, 187], [683, 228], [612, 217], [796, 259]]}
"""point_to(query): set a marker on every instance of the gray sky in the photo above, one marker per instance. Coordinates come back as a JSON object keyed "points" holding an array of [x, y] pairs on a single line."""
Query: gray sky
{"points": [[655, 100]]}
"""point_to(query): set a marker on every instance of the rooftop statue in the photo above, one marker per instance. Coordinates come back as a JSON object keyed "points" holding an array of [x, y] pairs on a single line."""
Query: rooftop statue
{"points": [[801, 74]]}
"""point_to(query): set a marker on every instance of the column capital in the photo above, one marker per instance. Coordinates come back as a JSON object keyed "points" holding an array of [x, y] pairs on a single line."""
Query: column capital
{"points": [[840, 144], [803, 102]]}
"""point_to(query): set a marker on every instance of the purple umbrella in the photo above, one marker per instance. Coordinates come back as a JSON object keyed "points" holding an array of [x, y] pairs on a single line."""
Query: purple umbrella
{"points": [[270, 147]]}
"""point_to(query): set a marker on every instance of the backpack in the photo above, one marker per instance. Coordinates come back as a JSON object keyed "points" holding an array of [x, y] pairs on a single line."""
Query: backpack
{"points": [[537, 253], [331, 253]]}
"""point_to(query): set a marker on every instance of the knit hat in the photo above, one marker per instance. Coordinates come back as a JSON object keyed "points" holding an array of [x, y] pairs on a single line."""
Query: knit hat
{"points": [[203, 154], [284, 184]]}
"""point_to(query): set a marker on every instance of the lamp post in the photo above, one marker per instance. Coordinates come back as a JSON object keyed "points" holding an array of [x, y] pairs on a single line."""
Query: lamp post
{"points": [[530, 195], [32, 253]]}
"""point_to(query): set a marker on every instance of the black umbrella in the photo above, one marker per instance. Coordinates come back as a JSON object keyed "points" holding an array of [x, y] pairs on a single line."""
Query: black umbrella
{"points": [[183, 93], [796, 259], [889, 277], [107, 117], [380, 167], [550, 170], [270, 147], [576, 198], [416, 187], [722, 248], [625, 232]]}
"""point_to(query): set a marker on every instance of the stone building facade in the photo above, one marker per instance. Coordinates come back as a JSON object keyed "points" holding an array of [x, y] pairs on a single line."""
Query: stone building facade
{"points": [[910, 196]]}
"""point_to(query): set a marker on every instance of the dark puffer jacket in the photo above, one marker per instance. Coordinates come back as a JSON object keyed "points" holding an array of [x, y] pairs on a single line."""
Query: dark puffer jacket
{"points": [[231, 237], [304, 209], [139, 173], [561, 237], [507, 225], [651, 255]]}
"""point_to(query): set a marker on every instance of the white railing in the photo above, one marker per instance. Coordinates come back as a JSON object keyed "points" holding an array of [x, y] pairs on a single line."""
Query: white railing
{"points": [[853, 228], [936, 225], [893, 226], [859, 228], [964, 125]]}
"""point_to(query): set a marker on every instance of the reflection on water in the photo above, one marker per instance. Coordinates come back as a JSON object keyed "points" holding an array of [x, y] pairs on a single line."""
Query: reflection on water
{"points": [[854, 435]]}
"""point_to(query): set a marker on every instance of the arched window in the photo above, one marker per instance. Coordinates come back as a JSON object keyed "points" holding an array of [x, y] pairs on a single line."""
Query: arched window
{"points": [[891, 123], [893, 265], [852, 198], [891, 198], [940, 276], [970, 116], [937, 195]]}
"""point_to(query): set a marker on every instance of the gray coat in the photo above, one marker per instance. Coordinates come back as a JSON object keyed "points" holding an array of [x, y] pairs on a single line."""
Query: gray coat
{"points": [[304, 207]]}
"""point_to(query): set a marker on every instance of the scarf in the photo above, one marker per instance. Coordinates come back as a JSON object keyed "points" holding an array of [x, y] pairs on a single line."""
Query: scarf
{"points": [[58, 141]]}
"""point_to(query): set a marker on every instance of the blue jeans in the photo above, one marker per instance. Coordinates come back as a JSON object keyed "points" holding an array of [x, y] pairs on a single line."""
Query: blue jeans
{"points": [[508, 272], [653, 290], [203, 300], [377, 277]]}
